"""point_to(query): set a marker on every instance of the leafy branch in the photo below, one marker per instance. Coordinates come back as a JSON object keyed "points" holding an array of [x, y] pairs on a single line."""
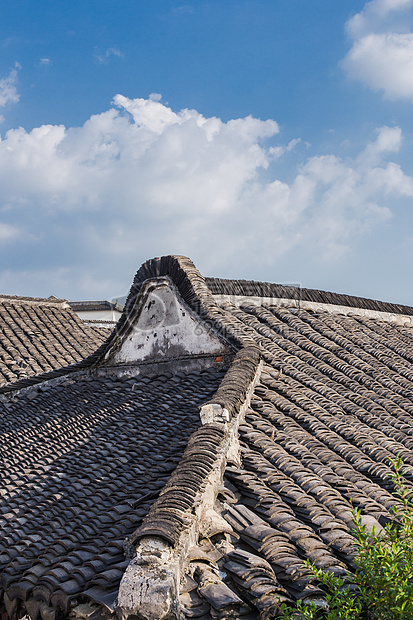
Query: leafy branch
{"points": [[382, 586]]}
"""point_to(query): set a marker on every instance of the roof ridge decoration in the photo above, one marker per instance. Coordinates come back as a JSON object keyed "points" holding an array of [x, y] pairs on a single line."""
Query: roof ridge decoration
{"points": [[185, 508], [193, 289], [161, 327], [191, 286]]}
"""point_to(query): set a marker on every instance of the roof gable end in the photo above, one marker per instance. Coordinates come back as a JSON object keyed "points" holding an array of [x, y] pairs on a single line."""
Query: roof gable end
{"points": [[160, 326]]}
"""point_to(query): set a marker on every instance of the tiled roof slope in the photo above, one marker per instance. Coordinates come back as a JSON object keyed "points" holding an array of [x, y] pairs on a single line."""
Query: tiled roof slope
{"points": [[41, 335], [333, 406], [302, 436], [82, 460]]}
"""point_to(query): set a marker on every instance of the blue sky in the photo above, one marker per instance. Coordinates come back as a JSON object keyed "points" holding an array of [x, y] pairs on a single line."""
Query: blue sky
{"points": [[265, 139]]}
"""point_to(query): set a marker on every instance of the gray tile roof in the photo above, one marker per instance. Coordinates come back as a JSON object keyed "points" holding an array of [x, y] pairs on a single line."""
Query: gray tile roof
{"points": [[41, 335], [334, 404], [303, 424], [82, 461]]}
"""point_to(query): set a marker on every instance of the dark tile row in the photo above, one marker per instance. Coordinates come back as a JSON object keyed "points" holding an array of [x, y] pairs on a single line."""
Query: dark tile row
{"points": [[81, 464], [333, 407]]}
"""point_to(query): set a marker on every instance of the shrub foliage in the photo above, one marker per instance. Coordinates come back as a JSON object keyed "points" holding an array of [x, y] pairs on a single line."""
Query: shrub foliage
{"points": [[382, 586]]}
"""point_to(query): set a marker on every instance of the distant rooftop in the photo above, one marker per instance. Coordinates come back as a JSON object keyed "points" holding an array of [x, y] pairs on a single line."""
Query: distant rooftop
{"points": [[89, 306], [52, 300], [41, 335]]}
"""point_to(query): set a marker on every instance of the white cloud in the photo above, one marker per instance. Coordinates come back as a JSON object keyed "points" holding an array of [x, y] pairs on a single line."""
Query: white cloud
{"points": [[141, 180], [384, 62], [45, 61], [8, 90], [388, 140], [184, 9], [380, 16], [111, 51], [7, 232], [382, 52]]}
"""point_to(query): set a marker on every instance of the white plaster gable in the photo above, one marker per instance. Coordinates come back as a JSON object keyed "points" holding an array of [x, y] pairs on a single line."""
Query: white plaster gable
{"points": [[161, 326]]}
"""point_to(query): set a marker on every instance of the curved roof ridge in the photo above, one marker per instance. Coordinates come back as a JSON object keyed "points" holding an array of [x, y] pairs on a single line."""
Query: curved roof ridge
{"points": [[193, 288], [252, 288], [186, 277], [204, 448]]}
